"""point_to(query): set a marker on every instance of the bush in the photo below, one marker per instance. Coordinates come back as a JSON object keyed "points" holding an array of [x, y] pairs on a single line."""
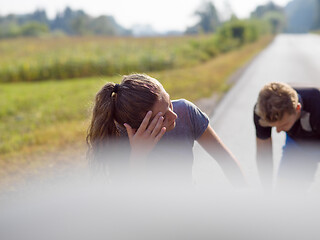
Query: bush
{"points": [[236, 32]]}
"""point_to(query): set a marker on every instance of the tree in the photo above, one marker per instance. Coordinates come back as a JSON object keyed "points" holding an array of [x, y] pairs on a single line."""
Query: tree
{"points": [[316, 24], [79, 25], [277, 21], [273, 13], [301, 15], [208, 19], [261, 10], [31, 29], [102, 26]]}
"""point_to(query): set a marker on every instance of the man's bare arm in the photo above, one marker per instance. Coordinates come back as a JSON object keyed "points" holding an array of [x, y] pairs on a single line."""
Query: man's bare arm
{"points": [[265, 162]]}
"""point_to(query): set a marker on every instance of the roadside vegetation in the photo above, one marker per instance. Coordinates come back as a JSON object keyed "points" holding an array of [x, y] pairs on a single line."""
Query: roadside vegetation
{"points": [[30, 59]]}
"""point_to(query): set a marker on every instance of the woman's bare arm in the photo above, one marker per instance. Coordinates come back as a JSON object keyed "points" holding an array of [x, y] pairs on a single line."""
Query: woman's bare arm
{"points": [[210, 141]]}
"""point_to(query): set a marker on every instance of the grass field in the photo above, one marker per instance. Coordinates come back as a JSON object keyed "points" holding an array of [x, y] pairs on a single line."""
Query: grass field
{"points": [[41, 119], [29, 59]]}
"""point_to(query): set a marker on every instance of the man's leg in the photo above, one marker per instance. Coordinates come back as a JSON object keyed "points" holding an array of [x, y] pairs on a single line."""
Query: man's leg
{"points": [[297, 167]]}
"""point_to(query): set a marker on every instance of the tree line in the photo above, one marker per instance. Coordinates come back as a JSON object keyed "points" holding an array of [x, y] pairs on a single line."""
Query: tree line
{"points": [[78, 23], [69, 22], [298, 16]]}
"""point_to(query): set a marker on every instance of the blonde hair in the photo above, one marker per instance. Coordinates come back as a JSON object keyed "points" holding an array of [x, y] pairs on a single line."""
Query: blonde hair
{"points": [[274, 100]]}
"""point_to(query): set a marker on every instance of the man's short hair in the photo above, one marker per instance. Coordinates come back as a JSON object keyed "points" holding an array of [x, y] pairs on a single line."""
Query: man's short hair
{"points": [[274, 100]]}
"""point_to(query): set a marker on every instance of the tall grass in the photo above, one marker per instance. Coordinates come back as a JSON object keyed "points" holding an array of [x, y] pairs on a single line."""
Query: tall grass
{"points": [[38, 59], [72, 57]]}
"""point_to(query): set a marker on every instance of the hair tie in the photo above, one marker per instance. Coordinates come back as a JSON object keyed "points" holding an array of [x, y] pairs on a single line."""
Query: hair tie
{"points": [[116, 88]]}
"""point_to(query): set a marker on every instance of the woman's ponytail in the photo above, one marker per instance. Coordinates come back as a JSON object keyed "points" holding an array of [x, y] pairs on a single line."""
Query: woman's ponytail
{"points": [[102, 128]]}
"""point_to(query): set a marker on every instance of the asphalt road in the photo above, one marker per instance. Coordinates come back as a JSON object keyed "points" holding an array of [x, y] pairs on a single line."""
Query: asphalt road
{"points": [[289, 58]]}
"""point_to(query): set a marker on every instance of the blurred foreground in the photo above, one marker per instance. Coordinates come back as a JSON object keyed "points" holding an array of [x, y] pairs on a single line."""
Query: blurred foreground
{"points": [[82, 207]]}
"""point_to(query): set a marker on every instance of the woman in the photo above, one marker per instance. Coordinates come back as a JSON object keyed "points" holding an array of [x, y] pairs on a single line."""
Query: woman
{"points": [[160, 132]]}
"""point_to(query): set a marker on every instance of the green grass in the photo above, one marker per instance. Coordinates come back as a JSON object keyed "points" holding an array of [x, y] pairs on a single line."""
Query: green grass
{"points": [[26, 108], [30, 59]]}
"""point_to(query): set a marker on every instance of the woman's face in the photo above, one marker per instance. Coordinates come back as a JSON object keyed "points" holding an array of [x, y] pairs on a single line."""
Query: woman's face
{"points": [[164, 105]]}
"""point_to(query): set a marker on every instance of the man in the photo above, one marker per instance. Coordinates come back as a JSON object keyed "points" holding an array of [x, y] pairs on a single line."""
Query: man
{"points": [[295, 111]]}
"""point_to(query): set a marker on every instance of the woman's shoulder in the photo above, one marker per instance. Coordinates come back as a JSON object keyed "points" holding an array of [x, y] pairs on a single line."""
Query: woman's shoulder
{"points": [[182, 103], [185, 107], [190, 115]]}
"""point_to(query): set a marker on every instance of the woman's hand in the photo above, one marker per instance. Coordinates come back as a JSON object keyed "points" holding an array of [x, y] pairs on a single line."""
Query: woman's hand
{"points": [[144, 139]]}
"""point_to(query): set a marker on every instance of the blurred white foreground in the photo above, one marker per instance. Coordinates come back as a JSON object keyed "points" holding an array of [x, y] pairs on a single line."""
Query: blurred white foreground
{"points": [[84, 208]]}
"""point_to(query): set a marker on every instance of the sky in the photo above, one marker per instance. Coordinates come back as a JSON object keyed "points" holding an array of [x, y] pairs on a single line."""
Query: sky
{"points": [[162, 15]]}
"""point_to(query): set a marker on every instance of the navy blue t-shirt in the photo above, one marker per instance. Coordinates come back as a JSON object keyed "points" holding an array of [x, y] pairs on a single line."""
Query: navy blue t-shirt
{"points": [[172, 157], [307, 127], [175, 148]]}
